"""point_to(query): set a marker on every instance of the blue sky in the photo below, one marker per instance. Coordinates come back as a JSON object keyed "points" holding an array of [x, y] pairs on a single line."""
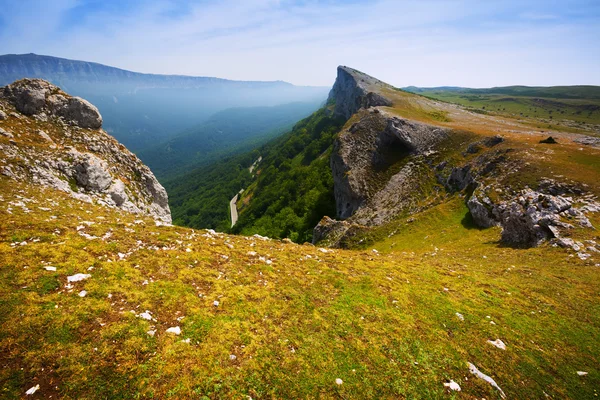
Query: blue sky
{"points": [[424, 43]]}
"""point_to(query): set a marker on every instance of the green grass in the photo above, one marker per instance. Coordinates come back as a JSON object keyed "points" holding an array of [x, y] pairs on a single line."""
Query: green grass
{"points": [[381, 322], [549, 109]]}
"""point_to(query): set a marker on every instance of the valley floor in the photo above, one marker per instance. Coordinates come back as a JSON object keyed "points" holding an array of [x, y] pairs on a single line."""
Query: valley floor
{"points": [[261, 318]]}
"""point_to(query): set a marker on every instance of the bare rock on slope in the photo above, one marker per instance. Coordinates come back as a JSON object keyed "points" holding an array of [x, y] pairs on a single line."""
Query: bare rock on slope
{"points": [[332, 233], [482, 210], [531, 217], [91, 172], [37, 97]]}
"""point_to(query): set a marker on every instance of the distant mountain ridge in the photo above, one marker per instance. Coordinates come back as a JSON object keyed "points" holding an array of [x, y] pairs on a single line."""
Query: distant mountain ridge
{"points": [[564, 92], [141, 110], [14, 66]]}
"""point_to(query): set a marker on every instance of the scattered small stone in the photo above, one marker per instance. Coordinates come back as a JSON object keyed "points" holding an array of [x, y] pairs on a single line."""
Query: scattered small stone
{"points": [[498, 343], [146, 315], [216, 303], [582, 373], [473, 369], [78, 277], [338, 381], [232, 357], [83, 293], [50, 268], [452, 386], [174, 330], [151, 332], [32, 390], [460, 316]]}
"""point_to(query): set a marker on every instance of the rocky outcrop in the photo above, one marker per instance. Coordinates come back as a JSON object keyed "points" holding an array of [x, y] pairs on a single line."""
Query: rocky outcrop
{"points": [[334, 233], [531, 217], [36, 97], [365, 156], [70, 154], [354, 90]]}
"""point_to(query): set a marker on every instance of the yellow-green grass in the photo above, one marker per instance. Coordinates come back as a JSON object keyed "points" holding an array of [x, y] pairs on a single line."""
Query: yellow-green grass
{"points": [[381, 322]]}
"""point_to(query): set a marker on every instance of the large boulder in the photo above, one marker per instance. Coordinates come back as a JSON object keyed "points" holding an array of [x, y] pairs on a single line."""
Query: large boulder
{"points": [[37, 97], [482, 211], [91, 172], [77, 110]]}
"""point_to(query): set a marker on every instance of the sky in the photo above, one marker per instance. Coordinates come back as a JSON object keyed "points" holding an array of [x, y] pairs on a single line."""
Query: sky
{"points": [[472, 43]]}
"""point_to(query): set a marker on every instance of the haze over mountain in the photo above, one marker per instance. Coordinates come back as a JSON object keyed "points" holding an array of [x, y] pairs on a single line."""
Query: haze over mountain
{"points": [[143, 109]]}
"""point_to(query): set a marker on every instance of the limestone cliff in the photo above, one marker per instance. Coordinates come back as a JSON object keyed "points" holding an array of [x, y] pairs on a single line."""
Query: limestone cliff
{"points": [[400, 154], [354, 90], [374, 165], [53, 139]]}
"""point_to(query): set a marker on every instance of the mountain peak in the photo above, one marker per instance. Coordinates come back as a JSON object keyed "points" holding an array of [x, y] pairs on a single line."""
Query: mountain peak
{"points": [[354, 90]]}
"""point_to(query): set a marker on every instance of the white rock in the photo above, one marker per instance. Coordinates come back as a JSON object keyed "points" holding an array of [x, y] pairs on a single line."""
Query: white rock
{"points": [[498, 343], [582, 373], [338, 381], [232, 357], [32, 390], [83, 293], [146, 315], [216, 303], [151, 333], [452, 386], [174, 330], [78, 277], [473, 369], [460, 316], [50, 268]]}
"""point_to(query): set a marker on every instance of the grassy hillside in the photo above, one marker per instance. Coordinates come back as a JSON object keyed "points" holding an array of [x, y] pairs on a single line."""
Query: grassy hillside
{"points": [[287, 195], [290, 320], [558, 103], [226, 132]]}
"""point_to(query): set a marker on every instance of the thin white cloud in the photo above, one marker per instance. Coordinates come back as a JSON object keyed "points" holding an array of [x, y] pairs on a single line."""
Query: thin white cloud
{"points": [[426, 43]]}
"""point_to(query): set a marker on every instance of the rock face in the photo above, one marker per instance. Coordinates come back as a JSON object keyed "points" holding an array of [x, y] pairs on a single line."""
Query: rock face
{"points": [[70, 153], [354, 90], [377, 163], [36, 97], [374, 165]]}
